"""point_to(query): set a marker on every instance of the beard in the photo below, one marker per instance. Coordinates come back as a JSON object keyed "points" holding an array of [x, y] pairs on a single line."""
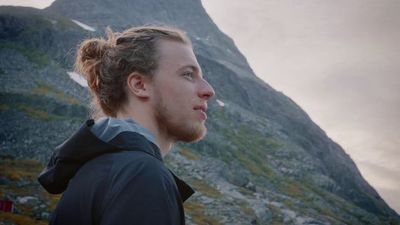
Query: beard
{"points": [[179, 129]]}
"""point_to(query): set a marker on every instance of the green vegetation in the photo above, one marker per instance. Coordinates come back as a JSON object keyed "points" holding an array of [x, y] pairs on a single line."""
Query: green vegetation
{"points": [[31, 111], [189, 154], [205, 188], [251, 149], [4, 107], [245, 191], [33, 55], [243, 143], [42, 23], [246, 137], [20, 219], [248, 211], [44, 89], [36, 113], [220, 114], [293, 189], [19, 170], [196, 212], [35, 20], [276, 215], [41, 107], [26, 172], [317, 200]]}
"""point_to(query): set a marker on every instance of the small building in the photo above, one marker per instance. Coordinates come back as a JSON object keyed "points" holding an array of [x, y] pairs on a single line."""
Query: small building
{"points": [[6, 206]]}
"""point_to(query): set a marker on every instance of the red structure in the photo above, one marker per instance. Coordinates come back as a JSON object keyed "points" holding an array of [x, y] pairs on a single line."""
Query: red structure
{"points": [[6, 206]]}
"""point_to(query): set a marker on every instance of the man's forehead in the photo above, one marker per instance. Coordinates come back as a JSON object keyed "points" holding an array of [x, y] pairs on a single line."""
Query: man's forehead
{"points": [[168, 49], [182, 64], [177, 54]]}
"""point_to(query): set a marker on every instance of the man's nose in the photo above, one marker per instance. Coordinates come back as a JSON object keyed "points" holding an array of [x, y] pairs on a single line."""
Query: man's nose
{"points": [[206, 90]]}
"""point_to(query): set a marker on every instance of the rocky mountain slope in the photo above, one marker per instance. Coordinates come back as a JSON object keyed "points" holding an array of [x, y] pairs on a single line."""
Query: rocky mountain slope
{"points": [[263, 161]]}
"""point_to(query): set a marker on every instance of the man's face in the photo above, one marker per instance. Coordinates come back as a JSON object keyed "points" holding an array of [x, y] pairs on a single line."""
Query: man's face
{"points": [[180, 93]]}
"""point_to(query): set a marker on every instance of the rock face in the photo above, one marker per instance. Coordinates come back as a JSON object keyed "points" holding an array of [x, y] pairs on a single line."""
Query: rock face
{"points": [[263, 161]]}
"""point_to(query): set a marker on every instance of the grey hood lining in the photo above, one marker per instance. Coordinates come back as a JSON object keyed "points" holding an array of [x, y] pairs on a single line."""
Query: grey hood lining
{"points": [[107, 128]]}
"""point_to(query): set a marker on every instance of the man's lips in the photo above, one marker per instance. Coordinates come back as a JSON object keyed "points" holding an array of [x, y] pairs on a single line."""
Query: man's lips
{"points": [[201, 107], [203, 110]]}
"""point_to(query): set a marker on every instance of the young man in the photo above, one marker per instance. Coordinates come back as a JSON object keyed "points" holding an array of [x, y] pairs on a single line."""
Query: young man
{"points": [[148, 84]]}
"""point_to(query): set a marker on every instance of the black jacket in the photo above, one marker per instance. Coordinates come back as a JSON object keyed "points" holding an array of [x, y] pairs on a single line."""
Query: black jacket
{"points": [[109, 185]]}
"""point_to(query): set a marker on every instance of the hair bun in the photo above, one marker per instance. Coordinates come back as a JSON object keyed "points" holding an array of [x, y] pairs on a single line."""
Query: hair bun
{"points": [[92, 49], [88, 60]]}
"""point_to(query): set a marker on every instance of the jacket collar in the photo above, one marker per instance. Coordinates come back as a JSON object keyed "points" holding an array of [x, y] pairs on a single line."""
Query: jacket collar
{"points": [[184, 189], [107, 128]]}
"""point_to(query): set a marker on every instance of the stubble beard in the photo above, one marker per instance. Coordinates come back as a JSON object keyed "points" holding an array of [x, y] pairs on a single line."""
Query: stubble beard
{"points": [[177, 128]]}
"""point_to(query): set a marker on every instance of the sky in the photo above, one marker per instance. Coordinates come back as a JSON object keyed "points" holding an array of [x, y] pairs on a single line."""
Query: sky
{"points": [[339, 60]]}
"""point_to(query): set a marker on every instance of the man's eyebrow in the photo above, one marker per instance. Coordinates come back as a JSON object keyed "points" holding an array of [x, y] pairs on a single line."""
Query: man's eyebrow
{"points": [[193, 67]]}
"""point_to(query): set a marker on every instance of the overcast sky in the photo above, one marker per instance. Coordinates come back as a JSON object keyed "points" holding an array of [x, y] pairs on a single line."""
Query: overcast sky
{"points": [[339, 60]]}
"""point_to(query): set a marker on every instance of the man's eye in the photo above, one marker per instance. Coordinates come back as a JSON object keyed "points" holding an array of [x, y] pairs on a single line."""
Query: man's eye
{"points": [[188, 75]]}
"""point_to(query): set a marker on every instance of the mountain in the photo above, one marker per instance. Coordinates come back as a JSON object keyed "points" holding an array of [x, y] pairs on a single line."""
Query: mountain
{"points": [[263, 161]]}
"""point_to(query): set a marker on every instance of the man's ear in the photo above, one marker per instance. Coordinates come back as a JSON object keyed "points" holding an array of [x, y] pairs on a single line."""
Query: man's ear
{"points": [[138, 84]]}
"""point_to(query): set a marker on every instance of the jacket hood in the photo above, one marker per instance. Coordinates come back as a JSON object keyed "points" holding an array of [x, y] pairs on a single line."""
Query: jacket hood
{"points": [[70, 156], [83, 146]]}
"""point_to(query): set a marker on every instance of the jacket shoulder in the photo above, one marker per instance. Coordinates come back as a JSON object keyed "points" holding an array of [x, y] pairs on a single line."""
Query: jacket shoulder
{"points": [[139, 167], [141, 189]]}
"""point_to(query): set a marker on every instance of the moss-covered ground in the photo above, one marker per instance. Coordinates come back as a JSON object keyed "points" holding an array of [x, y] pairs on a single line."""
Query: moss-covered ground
{"points": [[19, 181]]}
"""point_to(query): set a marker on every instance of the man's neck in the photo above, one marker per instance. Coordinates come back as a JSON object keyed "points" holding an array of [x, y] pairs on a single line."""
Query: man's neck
{"points": [[165, 143]]}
